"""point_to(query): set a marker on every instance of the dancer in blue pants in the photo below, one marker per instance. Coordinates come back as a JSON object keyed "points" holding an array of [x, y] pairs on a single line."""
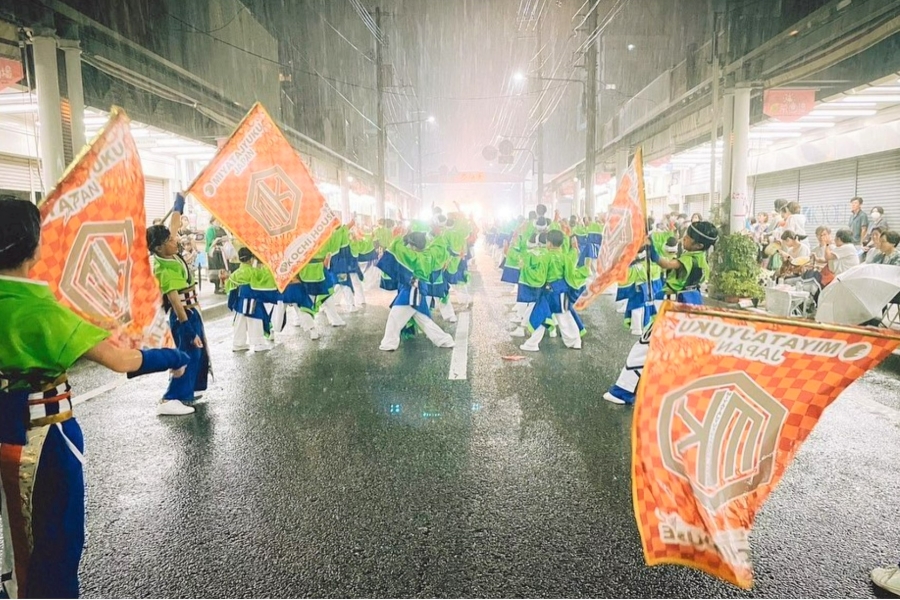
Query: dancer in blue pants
{"points": [[41, 445]]}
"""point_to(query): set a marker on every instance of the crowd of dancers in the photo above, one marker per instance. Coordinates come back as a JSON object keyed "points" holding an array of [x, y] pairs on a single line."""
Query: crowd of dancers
{"points": [[422, 262], [549, 262]]}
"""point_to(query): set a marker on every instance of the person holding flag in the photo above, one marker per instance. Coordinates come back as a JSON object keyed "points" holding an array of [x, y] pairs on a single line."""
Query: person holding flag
{"points": [[41, 466], [685, 275], [180, 300]]}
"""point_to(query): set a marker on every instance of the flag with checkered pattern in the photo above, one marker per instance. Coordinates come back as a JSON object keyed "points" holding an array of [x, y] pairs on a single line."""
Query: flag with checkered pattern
{"points": [[725, 400], [623, 234], [94, 244], [258, 187]]}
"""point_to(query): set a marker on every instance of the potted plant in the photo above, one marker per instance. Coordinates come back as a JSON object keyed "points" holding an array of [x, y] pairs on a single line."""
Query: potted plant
{"points": [[735, 270]]}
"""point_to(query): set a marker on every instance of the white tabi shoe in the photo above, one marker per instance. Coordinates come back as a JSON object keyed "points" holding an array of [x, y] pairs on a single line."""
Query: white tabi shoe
{"points": [[242, 348], [172, 408], [887, 578], [610, 398], [520, 332], [453, 319], [528, 348], [314, 334], [263, 347]]}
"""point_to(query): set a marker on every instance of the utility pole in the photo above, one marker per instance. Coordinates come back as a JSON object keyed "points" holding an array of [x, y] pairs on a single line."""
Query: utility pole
{"points": [[421, 173], [540, 115], [590, 109], [714, 134], [382, 132]]}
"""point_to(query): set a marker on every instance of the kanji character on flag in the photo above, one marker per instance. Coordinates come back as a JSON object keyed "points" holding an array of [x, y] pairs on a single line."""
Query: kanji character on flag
{"points": [[725, 401], [93, 240], [624, 233], [258, 188]]}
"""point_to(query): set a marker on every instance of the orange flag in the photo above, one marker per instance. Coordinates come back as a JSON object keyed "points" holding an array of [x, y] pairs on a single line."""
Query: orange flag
{"points": [[94, 244], [624, 233], [261, 191], [725, 401]]}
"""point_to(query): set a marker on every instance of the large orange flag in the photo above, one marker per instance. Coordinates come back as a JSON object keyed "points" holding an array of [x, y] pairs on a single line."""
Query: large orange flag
{"points": [[624, 233], [94, 244], [725, 401], [260, 190]]}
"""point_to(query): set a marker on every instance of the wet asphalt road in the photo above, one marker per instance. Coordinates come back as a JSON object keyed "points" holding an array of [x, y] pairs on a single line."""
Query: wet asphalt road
{"points": [[332, 469]]}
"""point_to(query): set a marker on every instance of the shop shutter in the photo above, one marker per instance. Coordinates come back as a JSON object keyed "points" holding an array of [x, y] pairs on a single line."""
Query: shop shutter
{"points": [[878, 184], [696, 203], [825, 192], [19, 174], [770, 187], [658, 207], [155, 198]]}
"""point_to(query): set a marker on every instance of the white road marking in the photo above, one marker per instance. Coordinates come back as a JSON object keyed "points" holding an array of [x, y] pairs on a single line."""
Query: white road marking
{"points": [[213, 306], [99, 390], [460, 359]]}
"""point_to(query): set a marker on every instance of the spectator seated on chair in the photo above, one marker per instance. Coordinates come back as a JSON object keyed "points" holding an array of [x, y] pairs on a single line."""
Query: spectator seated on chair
{"points": [[887, 250], [837, 254], [796, 256], [871, 249]]}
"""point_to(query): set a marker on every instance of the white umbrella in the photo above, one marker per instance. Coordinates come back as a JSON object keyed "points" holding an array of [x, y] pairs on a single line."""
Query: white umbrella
{"points": [[858, 294]]}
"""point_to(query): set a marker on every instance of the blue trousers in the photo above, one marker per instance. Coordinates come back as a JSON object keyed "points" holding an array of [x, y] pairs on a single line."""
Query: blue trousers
{"points": [[43, 548], [196, 374]]}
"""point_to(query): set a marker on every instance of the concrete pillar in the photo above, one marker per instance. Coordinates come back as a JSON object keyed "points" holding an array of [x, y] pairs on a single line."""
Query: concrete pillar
{"points": [[727, 147], [344, 177], [577, 204], [741, 124], [46, 76], [75, 85]]}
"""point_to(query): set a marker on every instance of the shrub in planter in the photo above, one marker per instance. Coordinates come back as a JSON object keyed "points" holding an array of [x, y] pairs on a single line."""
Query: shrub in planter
{"points": [[735, 270]]}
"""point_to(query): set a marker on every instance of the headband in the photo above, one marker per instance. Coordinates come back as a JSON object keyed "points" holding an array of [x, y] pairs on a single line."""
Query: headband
{"points": [[711, 240]]}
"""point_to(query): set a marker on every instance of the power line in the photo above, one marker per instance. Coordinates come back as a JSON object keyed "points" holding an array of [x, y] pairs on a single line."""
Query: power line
{"points": [[343, 37], [266, 58], [367, 19], [229, 21]]}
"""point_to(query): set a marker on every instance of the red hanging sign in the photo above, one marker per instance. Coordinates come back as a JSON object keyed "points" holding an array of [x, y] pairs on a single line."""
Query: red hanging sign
{"points": [[788, 105], [10, 72]]}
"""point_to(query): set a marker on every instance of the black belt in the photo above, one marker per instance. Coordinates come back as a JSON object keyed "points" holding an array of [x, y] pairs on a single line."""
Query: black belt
{"points": [[189, 298]]}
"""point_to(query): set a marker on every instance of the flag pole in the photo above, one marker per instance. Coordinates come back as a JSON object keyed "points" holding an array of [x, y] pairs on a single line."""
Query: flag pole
{"points": [[765, 318], [639, 173]]}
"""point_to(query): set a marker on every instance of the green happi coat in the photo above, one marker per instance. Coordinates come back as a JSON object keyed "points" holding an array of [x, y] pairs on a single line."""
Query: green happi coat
{"points": [[242, 276], [693, 271]]}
